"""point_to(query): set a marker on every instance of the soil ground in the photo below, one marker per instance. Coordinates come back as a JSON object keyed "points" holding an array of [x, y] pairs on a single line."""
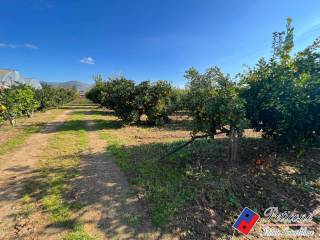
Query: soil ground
{"points": [[103, 188], [15, 166], [111, 208]]}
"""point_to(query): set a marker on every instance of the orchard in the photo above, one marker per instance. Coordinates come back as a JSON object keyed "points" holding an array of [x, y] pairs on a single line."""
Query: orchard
{"points": [[22, 100], [143, 159], [279, 97]]}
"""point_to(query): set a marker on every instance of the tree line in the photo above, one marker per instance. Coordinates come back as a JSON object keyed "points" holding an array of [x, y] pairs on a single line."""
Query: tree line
{"points": [[22, 100], [157, 100], [279, 97]]}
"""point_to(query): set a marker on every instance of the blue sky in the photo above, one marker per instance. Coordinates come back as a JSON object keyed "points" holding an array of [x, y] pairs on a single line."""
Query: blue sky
{"points": [[61, 40]]}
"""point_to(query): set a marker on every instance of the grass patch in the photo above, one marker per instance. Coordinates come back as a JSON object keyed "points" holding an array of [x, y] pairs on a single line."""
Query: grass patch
{"points": [[19, 139], [198, 184], [78, 233], [134, 221], [164, 185], [14, 137]]}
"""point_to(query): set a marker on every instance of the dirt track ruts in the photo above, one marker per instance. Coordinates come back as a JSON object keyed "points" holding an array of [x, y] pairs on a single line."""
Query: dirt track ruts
{"points": [[17, 165]]}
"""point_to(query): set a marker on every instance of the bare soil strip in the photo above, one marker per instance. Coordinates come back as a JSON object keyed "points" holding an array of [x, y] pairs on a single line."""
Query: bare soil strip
{"points": [[111, 212], [16, 166]]}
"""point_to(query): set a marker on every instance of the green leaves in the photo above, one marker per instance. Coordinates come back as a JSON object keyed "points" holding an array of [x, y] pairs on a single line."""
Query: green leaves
{"points": [[214, 101], [23, 100], [156, 101], [17, 101], [282, 95], [118, 95], [130, 101], [50, 96]]}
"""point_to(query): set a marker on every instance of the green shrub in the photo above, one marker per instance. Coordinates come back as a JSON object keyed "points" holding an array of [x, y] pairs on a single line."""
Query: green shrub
{"points": [[119, 95], [154, 100], [179, 99], [17, 101], [283, 94], [130, 101], [215, 105], [49, 96], [95, 93]]}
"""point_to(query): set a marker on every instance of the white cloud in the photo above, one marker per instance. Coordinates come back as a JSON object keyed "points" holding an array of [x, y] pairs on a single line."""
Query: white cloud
{"points": [[312, 27], [7, 45], [26, 45], [32, 46], [88, 60]]}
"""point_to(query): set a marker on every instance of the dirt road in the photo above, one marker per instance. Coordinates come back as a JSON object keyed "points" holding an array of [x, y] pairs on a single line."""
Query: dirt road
{"points": [[17, 165], [110, 211]]}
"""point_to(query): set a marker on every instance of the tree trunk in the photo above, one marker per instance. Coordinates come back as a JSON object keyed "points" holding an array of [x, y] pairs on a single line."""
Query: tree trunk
{"points": [[12, 121], [30, 114], [233, 145]]}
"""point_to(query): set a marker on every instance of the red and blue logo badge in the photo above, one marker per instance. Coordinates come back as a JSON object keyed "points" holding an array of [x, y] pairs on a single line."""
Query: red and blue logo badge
{"points": [[246, 221]]}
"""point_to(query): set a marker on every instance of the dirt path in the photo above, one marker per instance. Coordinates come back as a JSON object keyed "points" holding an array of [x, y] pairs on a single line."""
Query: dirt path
{"points": [[14, 168], [111, 212]]}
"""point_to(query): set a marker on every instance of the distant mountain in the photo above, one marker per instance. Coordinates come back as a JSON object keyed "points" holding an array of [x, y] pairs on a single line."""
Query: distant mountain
{"points": [[79, 85]]}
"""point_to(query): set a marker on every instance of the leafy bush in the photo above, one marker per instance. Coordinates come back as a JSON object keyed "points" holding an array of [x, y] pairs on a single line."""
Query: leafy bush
{"points": [[50, 96], [215, 105], [130, 101], [214, 101], [179, 99], [142, 97], [95, 93], [119, 95], [22, 100], [283, 94], [154, 99], [17, 101]]}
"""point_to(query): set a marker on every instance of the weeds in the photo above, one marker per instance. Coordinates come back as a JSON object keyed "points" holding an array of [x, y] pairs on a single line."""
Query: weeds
{"points": [[15, 137], [19, 139], [165, 185], [78, 233]]}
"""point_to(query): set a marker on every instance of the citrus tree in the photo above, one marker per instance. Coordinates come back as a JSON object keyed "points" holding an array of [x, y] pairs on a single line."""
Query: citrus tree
{"points": [[119, 95], [179, 99], [51, 97], [142, 97], [95, 93], [130, 101], [283, 94], [17, 101], [215, 106], [154, 100]]}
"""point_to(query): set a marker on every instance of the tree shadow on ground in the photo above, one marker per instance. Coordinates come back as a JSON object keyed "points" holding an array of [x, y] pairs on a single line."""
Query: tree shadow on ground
{"points": [[281, 180], [216, 200], [100, 195], [79, 106], [104, 187], [95, 112], [177, 121], [76, 125], [204, 191], [172, 125]]}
